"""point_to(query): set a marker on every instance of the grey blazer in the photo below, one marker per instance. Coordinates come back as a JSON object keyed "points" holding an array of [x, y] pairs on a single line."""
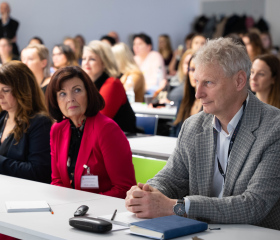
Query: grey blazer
{"points": [[252, 187]]}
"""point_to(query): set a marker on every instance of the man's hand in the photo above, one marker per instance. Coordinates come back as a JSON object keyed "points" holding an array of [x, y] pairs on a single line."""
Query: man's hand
{"points": [[147, 202]]}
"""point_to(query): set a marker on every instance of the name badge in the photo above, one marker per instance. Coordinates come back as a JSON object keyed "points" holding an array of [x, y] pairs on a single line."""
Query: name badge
{"points": [[89, 182]]}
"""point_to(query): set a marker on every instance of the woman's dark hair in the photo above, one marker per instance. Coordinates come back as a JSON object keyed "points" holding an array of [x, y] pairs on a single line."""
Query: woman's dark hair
{"points": [[109, 39], [69, 54], [274, 64], [147, 39], [256, 43], [94, 99], [189, 36], [187, 102], [236, 38], [38, 39]]}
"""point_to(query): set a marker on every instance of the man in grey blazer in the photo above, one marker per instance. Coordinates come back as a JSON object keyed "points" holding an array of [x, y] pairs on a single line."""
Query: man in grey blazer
{"points": [[226, 164]]}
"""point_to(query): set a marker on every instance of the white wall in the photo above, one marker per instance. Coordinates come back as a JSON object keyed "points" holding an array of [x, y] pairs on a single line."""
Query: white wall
{"points": [[53, 20], [272, 9]]}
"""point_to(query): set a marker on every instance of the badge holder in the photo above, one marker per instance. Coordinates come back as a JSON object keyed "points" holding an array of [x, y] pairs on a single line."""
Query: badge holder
{"points": [[89, 181]]}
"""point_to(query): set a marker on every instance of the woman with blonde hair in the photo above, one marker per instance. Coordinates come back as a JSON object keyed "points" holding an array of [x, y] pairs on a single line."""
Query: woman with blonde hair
{"points": [[131, 74], [36, 57], [99, 63]]}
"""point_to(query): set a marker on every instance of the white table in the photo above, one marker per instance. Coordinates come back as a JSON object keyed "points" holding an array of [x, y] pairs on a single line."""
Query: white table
{"points": [[164, 112], [44, 225], [153, 146]]}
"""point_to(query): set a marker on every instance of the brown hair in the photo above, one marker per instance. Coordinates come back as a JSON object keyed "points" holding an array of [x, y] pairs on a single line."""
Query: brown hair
{"points": [[95, 100], [187, 102], [256, 43], [69, 54], [274, 64], [165, 52], [78, 50], [181, 74], [27, 92]]}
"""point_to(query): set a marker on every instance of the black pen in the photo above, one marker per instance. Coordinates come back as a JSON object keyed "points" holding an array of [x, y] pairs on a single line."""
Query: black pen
{"points": [[114, 214]]}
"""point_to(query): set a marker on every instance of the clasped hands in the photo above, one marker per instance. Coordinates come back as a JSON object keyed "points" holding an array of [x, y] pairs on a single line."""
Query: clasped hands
{"points": [[148, 202]]}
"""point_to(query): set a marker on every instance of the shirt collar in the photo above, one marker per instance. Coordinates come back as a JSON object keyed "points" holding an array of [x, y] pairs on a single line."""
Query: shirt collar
{"points": [[233, 122]]}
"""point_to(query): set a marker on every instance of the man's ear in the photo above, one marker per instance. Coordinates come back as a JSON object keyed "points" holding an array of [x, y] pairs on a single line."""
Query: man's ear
{"points": [[241, 80]]}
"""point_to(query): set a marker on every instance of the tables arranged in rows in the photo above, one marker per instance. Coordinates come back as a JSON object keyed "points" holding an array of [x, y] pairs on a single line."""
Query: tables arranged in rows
{"points": [[153, 146], [64, 202], [163, 112]]}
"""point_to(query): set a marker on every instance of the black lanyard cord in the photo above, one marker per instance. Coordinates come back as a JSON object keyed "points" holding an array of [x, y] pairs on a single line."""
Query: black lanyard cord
{"points": [[232, 140]]}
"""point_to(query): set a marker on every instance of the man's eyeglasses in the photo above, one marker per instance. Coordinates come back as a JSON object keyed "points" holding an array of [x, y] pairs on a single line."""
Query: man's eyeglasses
{"points": [[191, 69]]}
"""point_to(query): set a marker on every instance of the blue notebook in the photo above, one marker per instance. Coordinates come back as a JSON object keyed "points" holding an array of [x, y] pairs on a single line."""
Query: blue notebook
{"points": [[167, 227]]}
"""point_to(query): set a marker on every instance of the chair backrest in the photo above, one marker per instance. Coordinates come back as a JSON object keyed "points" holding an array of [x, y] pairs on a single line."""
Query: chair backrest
{"points": [[147, 122], [146, 168]]}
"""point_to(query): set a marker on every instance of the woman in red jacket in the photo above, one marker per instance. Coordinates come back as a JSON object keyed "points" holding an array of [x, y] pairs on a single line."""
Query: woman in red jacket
{"points": [[99, 63], [88, 150]]}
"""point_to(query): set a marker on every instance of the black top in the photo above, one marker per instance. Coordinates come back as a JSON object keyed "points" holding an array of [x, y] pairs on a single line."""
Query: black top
{"points": [[75, 143], [9, 31], [125, 117], [44, 89], [30, 158]]}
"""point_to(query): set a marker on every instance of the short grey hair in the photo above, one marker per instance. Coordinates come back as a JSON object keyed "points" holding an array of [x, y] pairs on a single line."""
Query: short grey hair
{"points": [[226, 52]]}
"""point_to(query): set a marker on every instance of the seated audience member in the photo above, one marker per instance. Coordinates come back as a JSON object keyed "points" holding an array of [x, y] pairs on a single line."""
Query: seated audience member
{"points": [[83, 137], [192, 41], [114, 35], [108, 40], [198, 41], [226, 165], [36, 57], [150, 62], [6, 51], [189, 105], [36, 40], [131, 74], [253, 45], [81, 41], [8, 26], [24, 125], [99, 63], [62, 56], [177, 93], [265, 79], [165, 49], [267, 43], [74, 45]]}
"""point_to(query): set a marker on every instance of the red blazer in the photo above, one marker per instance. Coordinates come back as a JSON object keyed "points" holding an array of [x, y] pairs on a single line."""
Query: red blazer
{"points": [[104, 148]]}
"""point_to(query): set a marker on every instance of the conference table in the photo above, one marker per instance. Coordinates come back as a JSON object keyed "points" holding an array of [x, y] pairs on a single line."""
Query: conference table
{"points": [[163, 112], [158, 147], [64, 202]]}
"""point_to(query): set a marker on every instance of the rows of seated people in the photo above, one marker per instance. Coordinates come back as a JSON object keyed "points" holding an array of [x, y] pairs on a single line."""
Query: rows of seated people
{"points": [[62, 120], [85, 104]]}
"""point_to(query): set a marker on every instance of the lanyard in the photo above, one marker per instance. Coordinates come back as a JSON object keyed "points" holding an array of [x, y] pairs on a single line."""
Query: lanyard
{"points": [[232, 140]]}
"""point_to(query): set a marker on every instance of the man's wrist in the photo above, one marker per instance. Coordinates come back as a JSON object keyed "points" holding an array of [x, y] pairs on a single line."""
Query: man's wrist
{"points": [[179, 208]]}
